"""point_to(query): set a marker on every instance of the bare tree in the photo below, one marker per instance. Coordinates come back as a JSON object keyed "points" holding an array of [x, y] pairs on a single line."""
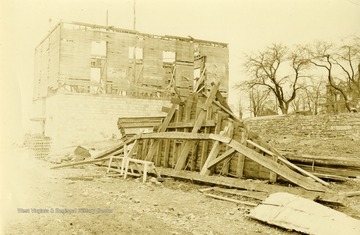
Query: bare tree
{"points": [[342, 65], [264, 69], [314, 94], [258, 101]]}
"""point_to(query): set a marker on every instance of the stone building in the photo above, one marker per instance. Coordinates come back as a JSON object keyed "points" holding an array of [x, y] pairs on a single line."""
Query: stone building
{"points": [[87, 76]]}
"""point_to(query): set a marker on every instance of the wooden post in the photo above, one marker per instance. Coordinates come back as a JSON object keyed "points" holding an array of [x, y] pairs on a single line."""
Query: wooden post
{"points": [[212, 155], [240, 165], [194, 155], [166, 153], [162, 128], [206, 170], [198, 123], [204, 148]]}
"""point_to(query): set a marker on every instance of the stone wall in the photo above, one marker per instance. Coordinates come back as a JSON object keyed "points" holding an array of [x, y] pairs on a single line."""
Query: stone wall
{"points": [[346, 125], [73, 119]]}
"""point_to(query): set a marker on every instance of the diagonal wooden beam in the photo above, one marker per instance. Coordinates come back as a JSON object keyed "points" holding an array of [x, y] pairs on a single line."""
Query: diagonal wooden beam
{"points": [[285, 161], [162, 128], [206, 170], [279, 169], [115, 148], [222, 157], [81, 163], [212, 156], [198, 124]]}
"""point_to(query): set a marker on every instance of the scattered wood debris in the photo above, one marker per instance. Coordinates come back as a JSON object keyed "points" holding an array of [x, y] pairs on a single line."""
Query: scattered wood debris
{"points": [[201, 134], [296, 213], [327, 167], [201, 140]]}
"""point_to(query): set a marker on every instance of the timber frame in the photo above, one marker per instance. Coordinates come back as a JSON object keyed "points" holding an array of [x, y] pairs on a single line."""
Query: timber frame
{"points": [[201, 134]]}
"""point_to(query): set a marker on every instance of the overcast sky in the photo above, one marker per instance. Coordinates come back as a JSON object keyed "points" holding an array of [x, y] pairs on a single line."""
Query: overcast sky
{"points": [[247, 25]]}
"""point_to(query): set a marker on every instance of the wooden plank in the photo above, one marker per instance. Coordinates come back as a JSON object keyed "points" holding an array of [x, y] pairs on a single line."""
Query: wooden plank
{"points": [[176, 100], [289, 163], [179, 135], [226, 164], [194, 155], [222, 157], [272, 175], [323, 160], [115, 148], [209, 123], [166, 152], [296, 213], [139, 149], [230, 200], [81, 162], [133, 149], [212, 156], [275, 157], [168, 118], [218, 122], [338, 171], [249, 194], [145, 148], [158, 153], [162, 128], [351, 194], [177, 145], [330, 177], [221, 138], [198, 124], [276, 167], [204, 147], [206, 170], [233, 116], [222, 100], [260, 186], [240, 165]]}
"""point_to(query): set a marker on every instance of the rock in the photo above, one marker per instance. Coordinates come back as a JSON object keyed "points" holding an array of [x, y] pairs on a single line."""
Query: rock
{"points": [[136, 201], [82, 152], [191, 216], [153, 180]]}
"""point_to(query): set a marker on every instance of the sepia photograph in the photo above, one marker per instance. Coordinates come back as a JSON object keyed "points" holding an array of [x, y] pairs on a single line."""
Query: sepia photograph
{"points": [[180, 117]]}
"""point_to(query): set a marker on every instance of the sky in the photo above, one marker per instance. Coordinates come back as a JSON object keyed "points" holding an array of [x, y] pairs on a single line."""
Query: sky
{"points": [[246, 25]]}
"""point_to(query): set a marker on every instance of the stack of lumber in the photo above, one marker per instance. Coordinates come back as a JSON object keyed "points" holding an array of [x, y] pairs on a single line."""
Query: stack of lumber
{"points": [[327, 167], [135, 125]]}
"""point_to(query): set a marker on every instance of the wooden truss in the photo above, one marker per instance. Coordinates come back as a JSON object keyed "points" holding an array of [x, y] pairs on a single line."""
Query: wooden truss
{"points": [[200, 133]]}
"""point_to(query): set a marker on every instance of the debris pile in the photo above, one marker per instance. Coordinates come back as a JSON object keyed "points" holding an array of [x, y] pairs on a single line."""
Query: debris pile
{"points": [[339, 169], [201, 134], [201, 140]]}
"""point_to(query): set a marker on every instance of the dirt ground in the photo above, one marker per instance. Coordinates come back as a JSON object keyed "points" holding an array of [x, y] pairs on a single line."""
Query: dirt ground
{"points": [[39, 200]]}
